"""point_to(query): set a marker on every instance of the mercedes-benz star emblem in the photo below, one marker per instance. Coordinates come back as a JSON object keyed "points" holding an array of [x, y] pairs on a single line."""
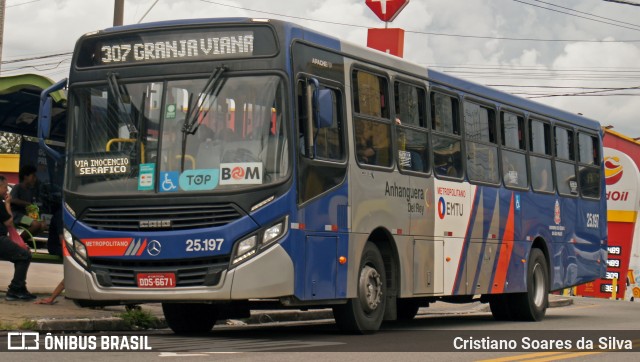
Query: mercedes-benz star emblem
{"points": [[154, 248]]}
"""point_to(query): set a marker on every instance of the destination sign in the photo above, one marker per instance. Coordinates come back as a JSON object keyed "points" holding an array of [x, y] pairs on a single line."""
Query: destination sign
{"points": [[99, 166], [177, 46]]}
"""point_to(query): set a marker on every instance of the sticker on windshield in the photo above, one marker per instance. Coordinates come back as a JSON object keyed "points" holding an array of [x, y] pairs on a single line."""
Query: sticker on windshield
{"points": [[198, 180], [247, 173], [171, 111], [145, 180], [169, 181], [93, 166]]}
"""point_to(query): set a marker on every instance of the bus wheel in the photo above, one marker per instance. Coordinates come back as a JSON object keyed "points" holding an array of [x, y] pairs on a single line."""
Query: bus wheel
{"points": [[532, 305], [364, 313], [499, 305], [190, 318], [407, 309]]}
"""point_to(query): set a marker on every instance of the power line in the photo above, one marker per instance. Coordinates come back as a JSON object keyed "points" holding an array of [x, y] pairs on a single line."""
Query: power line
{"points": [[577, 16], [36, 58], [426, 32], [28, 2], [585, 13]]}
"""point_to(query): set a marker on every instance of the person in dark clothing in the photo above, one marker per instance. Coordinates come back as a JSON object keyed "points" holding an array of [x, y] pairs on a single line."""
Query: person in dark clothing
{"points": [[21, 258], [54, 241], [25, 196], [54, 245]]}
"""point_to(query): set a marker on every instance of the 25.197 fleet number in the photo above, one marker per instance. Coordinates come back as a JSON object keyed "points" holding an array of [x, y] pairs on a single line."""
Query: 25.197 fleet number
{"points": [[204, 244]]}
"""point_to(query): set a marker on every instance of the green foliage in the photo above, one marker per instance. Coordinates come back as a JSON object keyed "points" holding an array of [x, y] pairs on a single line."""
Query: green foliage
{"points": [[28, 325], [9, 143], [7, 327], [138, 318]]}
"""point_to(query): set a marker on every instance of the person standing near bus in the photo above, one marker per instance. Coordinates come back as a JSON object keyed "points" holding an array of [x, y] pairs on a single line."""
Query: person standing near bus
{"points": [[25, 195], [21, 258]]}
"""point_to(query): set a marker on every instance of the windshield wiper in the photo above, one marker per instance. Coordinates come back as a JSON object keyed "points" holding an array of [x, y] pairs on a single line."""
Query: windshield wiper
{"points": [[191, 124], [115, 87]]}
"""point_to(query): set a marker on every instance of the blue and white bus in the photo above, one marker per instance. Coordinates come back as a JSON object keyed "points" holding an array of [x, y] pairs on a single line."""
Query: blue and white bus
{"points": [[219, 165]]}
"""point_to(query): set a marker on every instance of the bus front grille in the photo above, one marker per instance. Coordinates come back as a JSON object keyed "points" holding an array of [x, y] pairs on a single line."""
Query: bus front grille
{"points": [[147, 218], [188, 273]]}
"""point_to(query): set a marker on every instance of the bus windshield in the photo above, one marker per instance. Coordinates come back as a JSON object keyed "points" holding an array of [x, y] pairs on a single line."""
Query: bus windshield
{"points": [[177, 136]]}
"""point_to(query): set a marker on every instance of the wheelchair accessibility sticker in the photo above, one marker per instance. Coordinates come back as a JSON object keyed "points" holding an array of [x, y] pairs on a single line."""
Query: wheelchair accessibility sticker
{"points": [[169, 181]]}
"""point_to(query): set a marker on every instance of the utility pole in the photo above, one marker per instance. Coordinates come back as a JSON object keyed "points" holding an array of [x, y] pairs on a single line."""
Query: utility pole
{"points": [[118, 12], [2, 5]]}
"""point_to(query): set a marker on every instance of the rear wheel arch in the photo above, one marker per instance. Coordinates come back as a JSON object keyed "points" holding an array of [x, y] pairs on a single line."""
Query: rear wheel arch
{"points": [[540, 243]]}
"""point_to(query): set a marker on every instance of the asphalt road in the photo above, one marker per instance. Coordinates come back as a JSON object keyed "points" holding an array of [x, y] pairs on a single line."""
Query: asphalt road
{"points": [[431, 337]]}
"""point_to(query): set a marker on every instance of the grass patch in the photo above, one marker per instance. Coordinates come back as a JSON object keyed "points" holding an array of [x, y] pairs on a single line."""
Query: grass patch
{"points": [[138, 318], [7, 327], [28, 325]]}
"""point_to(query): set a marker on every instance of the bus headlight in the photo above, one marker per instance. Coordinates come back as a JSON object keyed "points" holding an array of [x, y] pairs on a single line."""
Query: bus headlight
{"points": [[68, 239], [245, 249], [250, 246], [80, 249], [273, 233], [75, 247]]}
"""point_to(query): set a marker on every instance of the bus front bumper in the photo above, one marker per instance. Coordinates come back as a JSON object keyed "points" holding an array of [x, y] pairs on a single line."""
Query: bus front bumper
{"points": [[268, 275]]}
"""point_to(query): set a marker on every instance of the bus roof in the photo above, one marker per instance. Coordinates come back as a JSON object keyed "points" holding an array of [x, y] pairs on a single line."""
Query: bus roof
{"points": [[399, 64]]}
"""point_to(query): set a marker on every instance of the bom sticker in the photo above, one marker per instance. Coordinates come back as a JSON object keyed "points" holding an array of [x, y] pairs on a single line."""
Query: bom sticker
{"points": [[246, 173]]}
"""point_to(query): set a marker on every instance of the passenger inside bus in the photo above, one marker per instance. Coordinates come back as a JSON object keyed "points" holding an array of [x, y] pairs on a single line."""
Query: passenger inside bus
{"points": [[364, 149]]}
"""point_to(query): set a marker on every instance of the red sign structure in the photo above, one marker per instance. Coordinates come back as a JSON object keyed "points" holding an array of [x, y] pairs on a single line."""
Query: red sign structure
{"points": [[389, 40], [386, 10]]}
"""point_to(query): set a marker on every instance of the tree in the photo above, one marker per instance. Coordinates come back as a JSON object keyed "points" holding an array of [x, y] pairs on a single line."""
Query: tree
{"points": [[9, 142]]}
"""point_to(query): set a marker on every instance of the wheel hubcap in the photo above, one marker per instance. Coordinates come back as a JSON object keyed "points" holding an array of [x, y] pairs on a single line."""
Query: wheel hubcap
{"points": [[538, 285], [370, 293]]}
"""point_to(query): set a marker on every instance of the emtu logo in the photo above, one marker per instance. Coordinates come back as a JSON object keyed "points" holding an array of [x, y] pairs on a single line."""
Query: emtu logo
{"points": [[442, 208], [612, 170]]}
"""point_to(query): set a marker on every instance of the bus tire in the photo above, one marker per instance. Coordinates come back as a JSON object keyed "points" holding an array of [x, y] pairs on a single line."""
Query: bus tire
{"points": [[532, 305], [364, 313], [407, 309], [500, 305], [189, 318]]}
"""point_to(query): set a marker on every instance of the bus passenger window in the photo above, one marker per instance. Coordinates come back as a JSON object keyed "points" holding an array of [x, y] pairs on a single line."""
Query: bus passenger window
{"points": [[444, 112], [413, 148], [370, 94], [373, 142], [589, 160], [446, 156], [482, 148], [514, 159], [409, 101], [541, 176]]}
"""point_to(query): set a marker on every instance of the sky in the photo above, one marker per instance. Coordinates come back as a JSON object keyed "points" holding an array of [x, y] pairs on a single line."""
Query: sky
{"points": [[582, 56]]}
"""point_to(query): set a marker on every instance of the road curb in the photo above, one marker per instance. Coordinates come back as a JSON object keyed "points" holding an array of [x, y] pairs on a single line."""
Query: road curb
{"points": [[257, 318]]}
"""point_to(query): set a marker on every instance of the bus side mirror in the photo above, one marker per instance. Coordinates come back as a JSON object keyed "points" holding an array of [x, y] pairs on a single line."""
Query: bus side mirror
{"points": [[44, 123], [323, 105], [45, 118]]}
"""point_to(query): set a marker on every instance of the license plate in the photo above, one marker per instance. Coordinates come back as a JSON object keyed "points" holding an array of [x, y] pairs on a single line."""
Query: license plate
{"points": [[156, 280]]}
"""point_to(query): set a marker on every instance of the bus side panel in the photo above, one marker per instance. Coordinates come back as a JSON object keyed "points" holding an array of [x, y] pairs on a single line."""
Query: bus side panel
{"points": [[319, 234]]}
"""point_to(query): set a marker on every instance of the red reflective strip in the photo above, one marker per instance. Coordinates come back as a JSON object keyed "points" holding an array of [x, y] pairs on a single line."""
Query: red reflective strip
{"points": [[506, 248], [142, 248]]}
